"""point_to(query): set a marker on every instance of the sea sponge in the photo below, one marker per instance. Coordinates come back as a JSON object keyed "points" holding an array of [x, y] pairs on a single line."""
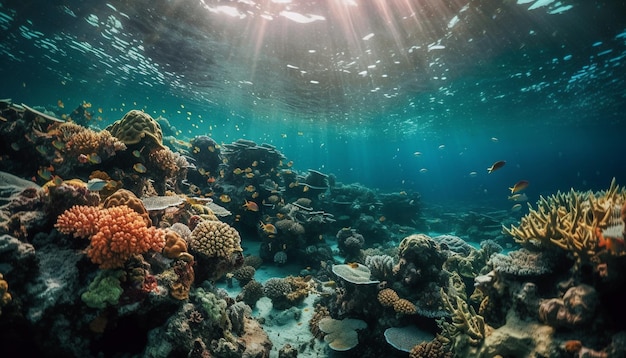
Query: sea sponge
{"points": [[104, 290], [251, 293], [387, 297], [404, 306], [290, 227], [79, 220], [122, 233], [215, 239], [138, 127], [128, 198]]}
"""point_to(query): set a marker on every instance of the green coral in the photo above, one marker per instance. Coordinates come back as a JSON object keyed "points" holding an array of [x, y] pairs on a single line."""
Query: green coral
{"points": [[214, 307], [104, 290]]}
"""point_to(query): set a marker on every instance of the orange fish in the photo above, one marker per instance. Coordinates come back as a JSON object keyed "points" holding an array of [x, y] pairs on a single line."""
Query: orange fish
{"points": [[268, 228], [251, 205], [519, 186], [495, 166], [211, 180]]}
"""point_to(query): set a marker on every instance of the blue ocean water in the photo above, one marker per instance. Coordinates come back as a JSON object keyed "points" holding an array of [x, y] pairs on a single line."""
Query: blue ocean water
{"points": [[350, 88]]}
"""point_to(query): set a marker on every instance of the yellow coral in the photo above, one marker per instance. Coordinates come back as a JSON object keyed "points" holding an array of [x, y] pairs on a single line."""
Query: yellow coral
{"points": [[572, 221], [138, 127], [215, 239], [387, 297]]}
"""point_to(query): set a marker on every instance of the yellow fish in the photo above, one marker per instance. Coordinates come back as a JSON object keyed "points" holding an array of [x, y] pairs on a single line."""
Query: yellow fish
{"points": [[225, 198], [140, 168], [237, 171], [250, 188]]}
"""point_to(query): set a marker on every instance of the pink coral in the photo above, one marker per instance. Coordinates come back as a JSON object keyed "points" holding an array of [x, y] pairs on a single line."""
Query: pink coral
{"points": [[79, 220], [116, 233]]}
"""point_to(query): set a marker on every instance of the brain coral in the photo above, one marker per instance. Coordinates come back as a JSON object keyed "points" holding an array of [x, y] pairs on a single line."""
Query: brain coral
{"points": [[215, 239], [128, 198], [138, 127]]}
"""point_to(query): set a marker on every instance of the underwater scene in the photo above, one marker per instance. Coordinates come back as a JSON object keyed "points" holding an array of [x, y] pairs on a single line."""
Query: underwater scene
{"points": [[323, 178]]}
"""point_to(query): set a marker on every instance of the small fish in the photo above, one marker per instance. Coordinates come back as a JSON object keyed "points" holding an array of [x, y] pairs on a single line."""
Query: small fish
{"points": [[211, 180], [255, 163], [60, 104], [15, 146], [382, 219], [423, 170], [237, 171], [250, 188], [305, 188], [99, 110], [417, 154], [224, 198], [41, 149], [249, 175], [140, 168], [494, 139], [519, 186], [290, 164], [96, 184], [248, 170], [251, 206], [211, 148], [255, 195], [495, 166], [518, 197], [94, 158], [44, 173], [443, 146], [196, 150], [57, 144], [268, 228], [473, 174], [136, 153], [517, 207]]}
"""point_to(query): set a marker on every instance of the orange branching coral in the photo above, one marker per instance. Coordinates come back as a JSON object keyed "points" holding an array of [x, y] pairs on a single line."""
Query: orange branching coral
{"points": [[122, 232], [79, 220], [126, 197]]}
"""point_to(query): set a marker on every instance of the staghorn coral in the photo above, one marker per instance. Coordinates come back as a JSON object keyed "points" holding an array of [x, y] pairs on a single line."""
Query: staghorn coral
{"points": [[128, 198], [466, 328], [137, 127], [575, 222]]}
